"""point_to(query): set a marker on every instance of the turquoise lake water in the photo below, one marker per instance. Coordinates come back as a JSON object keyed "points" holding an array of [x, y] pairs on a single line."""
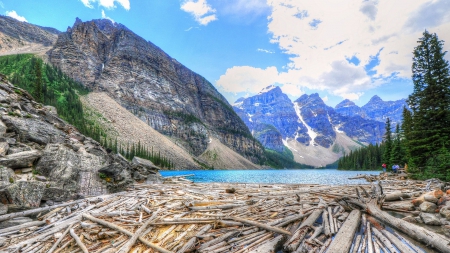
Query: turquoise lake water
{"points": [[311, 176]]}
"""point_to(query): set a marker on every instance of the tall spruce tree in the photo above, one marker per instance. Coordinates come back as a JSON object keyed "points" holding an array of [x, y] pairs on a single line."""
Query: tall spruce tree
{"points": [[388, 144], [38, 89], [397, 153], [429, 102]]}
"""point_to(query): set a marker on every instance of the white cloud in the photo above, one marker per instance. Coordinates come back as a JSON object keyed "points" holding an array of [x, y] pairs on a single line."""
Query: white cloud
{"points": [[109, 4], [190, 28], [321, 36], [13, 14], [106, 17], [247, 79], [200, 9], [265, 51], [292, 89], [325, 99]]}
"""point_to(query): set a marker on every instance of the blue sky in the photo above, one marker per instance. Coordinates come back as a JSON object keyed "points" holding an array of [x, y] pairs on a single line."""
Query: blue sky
{"points": [[341, 49]]}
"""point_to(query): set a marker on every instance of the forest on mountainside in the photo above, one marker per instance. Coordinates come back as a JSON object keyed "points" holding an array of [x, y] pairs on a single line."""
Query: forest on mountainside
{"points": [[422, 142], [49, 86]]}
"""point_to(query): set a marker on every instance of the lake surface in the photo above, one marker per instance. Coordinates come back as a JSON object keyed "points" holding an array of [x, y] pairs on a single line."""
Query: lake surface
{"points": [[311, 176]]}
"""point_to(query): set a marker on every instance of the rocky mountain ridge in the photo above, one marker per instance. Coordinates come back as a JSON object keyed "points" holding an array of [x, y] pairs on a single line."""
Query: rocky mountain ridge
{"points": [[42, 158], [169, 97], [375, 109], [307, 126]]}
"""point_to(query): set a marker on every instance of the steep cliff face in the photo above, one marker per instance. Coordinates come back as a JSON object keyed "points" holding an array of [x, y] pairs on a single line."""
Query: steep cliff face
{"points": [[166, 95], [22, 37]]}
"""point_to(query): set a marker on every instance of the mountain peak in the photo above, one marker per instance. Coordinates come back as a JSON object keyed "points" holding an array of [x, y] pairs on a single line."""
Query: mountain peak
{"points": [[345, 103], [269, 88], [375, 99]]}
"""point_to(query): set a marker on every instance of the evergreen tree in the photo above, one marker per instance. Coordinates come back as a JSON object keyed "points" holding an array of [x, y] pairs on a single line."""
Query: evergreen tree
{"points": [[397, 153], [429, 102], [388, 144], [38, 90]]}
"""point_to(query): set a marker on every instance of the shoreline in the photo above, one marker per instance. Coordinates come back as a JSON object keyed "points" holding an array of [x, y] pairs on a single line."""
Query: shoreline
{"points": [[179, 216]]}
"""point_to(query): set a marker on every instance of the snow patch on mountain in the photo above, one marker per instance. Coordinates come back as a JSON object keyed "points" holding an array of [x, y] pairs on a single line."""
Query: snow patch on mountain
{"points": [[311, 132]]}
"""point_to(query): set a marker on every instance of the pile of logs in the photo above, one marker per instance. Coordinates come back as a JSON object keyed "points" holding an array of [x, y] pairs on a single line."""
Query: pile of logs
{"points": [[213, 218]]}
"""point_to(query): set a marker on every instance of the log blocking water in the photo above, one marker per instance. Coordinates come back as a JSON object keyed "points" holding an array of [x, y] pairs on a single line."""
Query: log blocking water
{"points": [[189, 217]]}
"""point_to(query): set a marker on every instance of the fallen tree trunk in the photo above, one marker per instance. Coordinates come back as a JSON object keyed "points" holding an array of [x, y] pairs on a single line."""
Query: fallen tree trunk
{"points": [[344, 238], [371, 205]]}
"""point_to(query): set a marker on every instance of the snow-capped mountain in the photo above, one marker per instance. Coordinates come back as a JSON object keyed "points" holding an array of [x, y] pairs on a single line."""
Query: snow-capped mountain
{"points": [[375, 109], [316, 133]]}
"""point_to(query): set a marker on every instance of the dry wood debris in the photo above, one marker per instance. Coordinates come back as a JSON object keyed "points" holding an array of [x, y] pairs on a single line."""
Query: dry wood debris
{"points": [[181, 216]]}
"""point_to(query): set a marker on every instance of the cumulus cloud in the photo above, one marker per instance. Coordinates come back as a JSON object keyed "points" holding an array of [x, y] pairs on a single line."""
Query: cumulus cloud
{"points": [[13, 14], [247, 79], [108, 4], [319, 52], [200, 9], [106, 17]]}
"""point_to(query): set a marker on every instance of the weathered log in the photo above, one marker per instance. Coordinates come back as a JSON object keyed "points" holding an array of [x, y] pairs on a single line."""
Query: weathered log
{"points": [[372, 207], [260, 225], [398, 195], [383, 239], [344, 238], [127, 246], [55, 245], [78, 241], [217, 240], [124, 231], [190, 244], [357, 243], [19, 227], [326, 224]]}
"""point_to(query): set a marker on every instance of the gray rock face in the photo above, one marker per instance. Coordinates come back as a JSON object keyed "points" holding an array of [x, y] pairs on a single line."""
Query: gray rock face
{"points": [[155, 87], [26, 194], [27, 32], [145, 163], [21, 160], [445, 212], [34, 130], [430, 219], [4, 146], [428, 207]]}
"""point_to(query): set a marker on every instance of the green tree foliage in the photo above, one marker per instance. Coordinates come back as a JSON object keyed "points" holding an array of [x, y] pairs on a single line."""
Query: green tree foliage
{"points": [[283, 160], [388, 144], [398, 155], [38, 89], [428, 130], [365, 158]]}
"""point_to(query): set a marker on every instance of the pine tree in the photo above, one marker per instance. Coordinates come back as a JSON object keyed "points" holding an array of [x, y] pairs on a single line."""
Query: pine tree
{"points": [[388, 144], [38, 90], [397, 153], [429, 102]]}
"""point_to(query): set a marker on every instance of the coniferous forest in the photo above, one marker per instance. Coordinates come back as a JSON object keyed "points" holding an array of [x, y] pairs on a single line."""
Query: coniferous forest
{"points": [[49, 86], [422, 141]]}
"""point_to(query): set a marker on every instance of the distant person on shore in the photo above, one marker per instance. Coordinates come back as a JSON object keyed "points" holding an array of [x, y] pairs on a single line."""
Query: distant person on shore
{"points": [[394, 168], [384, 167]]}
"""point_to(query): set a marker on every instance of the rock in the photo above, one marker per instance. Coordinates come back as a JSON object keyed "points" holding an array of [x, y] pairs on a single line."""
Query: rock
{"points": [[17, 148], [428, 207], [49, 202], [34, 130], [3, 209], [144, 163], [6, 176], [56, 194], [443, 200], [40, 178], [2, 128], [410, 219], [26, 193], [438, 193], [404, 205], [4, 146], [51, 109], [2, 241], [419, 220], [155, 178], [445, 212], [21, 160], [27, 170], [430, 219], [15, 222], [430, 198]]}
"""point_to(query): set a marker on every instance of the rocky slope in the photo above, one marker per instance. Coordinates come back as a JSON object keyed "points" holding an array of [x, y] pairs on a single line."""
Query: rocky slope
{"points": [[375, 109], [315, 133], [21, 37], [169, 97], [42, 158]]}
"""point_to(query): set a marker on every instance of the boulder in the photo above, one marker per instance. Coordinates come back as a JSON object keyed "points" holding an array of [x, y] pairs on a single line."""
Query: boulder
{"points": [[56, 194], [34, 130], [428, 207], [445, 212], [155, 179], [18, 148], [15, 222], [145, 163], [20, 160], [410, 219], [444, 200], [2, 128], [4, 146], [3, 209], [430, 219], [430, 198], [26, 193], [7, 176], [40, 178]]}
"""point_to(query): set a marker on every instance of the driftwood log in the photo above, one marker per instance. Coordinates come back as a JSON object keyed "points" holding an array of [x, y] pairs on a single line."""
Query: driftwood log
{"points": [[370, 204]]}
